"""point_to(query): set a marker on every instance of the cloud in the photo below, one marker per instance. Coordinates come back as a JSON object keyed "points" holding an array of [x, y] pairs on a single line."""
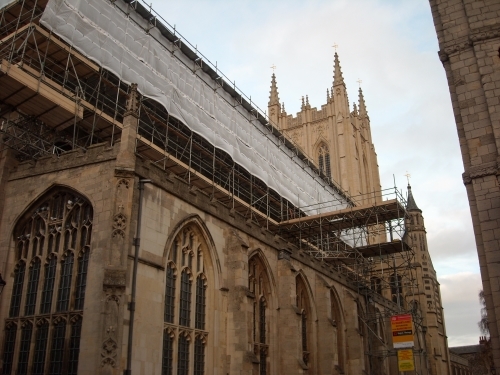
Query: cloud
{"points": [[459, 295]]}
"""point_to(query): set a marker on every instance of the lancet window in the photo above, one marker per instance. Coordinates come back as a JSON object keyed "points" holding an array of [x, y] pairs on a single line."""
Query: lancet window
{"points": [[52, 243], [303, 305], [324, 160], [397, 289], [338, 339], [260, 288], [185, 333]]}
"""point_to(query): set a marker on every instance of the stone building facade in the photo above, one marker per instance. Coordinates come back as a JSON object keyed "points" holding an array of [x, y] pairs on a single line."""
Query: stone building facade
{"points": [[468, 32], [335, 138], [132, 245]]}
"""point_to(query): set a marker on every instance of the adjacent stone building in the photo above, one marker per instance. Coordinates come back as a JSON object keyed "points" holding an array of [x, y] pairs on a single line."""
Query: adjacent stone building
{"points": [[468, 32], [153, 222]]}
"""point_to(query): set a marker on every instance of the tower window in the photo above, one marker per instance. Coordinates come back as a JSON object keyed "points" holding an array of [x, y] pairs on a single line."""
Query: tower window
{"points": [[324, 160]]}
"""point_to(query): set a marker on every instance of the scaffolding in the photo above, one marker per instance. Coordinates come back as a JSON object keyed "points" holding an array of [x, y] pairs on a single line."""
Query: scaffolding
{"points": [[54, 100]]}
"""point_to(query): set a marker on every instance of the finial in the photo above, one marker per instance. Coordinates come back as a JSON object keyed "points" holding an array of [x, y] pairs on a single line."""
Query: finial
{"points": [[338, 79], [355, 109], [303, 104], [408, 178], [273, 95], [273, 67], [133, 102], [335, 45], [359, 81], [362, 106]]}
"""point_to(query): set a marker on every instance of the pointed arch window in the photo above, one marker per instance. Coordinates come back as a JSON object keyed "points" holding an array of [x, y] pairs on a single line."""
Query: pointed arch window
{"points": [[259, 285], [339, 331], [185, 335], [397, 289], [324, 160], [41, 345], [304, 308]]}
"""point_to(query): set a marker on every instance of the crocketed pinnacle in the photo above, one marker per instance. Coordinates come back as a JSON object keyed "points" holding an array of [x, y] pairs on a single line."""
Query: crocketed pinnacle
{"points": [[355, 109], [273, 95], [410, 204], [362, 105], [338, 78]]}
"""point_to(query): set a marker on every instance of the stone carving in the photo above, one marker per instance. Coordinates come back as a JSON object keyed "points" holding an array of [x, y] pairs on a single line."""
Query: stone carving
{"points": [[114, 278], [119, 225], [120, 220], [109, 348]]}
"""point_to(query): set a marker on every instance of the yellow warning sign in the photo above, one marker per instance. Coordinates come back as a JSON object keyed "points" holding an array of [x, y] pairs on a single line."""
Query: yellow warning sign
{"points": [[402, 331], [405, 360]]}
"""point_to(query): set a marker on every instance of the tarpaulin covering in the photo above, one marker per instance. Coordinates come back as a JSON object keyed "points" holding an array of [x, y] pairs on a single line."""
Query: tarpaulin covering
{"points": [[118, 41]]}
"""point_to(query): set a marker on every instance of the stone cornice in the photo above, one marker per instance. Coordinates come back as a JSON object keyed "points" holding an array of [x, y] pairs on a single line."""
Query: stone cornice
{"points": [[488, 169], [464, 43]]}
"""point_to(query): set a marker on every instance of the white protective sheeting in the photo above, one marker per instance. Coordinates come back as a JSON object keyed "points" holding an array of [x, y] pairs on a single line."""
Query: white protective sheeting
{"points": [[119, 43], [4, 3]]}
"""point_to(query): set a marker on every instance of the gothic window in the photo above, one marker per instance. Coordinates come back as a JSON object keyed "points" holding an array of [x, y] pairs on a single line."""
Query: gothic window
{"points": [[376, 285], [185, 331], [49, 283], [48, 286], [324, 160], [74, 345], [183, 356], [17, 290], [34, 274], [339, 331], [57, 349], [81, 279], [200, 302], [199, 356], [397, 289], [260, 287], [170, 294], [41, 338], [10, 342], [168, 351], [303, 306], [185, 305], [24, 351], [65, 282]]}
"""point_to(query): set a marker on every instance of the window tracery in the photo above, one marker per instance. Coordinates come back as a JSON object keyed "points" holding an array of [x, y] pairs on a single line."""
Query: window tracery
{"points": [[184, 335], [260, 287], [324, 160], [302, 301], [52, 250]]}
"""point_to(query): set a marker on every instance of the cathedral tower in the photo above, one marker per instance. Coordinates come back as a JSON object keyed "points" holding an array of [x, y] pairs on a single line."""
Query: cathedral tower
{"points": [[336, 140], [428, 300]]}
